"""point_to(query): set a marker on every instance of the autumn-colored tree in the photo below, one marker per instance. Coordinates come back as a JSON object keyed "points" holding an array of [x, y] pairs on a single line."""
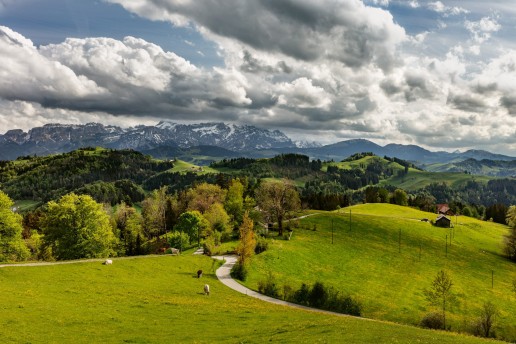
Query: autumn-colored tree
{"points": [[278, 200], [12, 247], [247, 243], [202, 196], [77, 227]]}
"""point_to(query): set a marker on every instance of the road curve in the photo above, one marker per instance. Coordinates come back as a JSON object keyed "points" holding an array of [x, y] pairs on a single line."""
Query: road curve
{"points": [[223, 274]]}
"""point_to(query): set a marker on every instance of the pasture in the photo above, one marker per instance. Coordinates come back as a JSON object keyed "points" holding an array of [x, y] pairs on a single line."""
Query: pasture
{"points": [[367, 261], [160, 299]]}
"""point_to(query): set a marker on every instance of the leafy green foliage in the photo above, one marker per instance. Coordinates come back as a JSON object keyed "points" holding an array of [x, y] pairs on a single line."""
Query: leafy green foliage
{"points": [[48, 178], [192, 223], [440, 293], [12, 247], [77, 227]]}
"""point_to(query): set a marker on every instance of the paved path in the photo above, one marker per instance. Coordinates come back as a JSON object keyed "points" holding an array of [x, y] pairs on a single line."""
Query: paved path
{"points": [[223, 274]]}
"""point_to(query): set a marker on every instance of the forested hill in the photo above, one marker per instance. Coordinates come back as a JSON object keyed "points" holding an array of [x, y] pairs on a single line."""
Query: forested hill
{"points": [[110, 173], [112, 176]]}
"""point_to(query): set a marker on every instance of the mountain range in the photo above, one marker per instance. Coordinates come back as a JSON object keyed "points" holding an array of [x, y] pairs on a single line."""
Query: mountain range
{"points": [[213, 141]]}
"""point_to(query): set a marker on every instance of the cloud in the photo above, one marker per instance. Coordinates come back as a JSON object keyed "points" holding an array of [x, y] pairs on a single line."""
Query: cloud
{"points": [[348, 32], [439, 7], [483, 29]]}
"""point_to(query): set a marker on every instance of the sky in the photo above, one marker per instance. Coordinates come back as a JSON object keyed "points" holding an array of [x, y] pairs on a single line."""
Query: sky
{"points": [[439, 74]]}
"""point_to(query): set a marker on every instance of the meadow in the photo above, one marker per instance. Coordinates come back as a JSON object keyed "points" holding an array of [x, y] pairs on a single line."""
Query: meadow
{"points": [[159, 299], [387, 275]]}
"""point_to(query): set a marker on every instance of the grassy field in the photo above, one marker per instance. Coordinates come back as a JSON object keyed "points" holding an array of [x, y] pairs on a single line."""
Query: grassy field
{"points": [[183, 167], [388, 279], [416, 179], [360, 163], [159, 299]]}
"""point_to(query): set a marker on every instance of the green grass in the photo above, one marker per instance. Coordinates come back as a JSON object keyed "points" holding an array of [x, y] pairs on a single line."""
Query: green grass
{"points": [[159, 299], [26, 205], [416, 179], [183, 167], [365, 262], [361, 163]]}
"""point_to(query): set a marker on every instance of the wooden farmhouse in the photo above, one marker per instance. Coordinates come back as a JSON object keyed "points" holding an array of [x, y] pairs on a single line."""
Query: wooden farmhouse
{"points": [[443, 221], [444, 209]]}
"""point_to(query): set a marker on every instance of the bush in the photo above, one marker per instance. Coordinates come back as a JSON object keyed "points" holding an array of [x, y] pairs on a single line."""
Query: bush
{"points": [[318, 295], [288, 292], [433, 320], [342, 303], [269, 287], [209, 245], [239, 271], [179, 240], [301, 295], [261, 245]]}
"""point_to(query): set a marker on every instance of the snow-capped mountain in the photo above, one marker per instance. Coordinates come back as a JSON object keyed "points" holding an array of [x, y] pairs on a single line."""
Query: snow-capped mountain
{"points": [[57, 138], [230, 136]]}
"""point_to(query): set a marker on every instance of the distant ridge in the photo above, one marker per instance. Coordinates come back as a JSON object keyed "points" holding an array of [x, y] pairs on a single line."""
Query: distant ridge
{"points": [[169, 139]]}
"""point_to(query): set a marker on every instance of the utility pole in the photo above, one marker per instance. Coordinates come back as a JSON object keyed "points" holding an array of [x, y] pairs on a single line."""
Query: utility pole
{"points": [[350, 219], [446, 245], [332, 231], [399, 242]]}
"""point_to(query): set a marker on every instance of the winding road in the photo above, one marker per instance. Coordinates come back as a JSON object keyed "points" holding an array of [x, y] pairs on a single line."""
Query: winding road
{"points": [[224, 275]]}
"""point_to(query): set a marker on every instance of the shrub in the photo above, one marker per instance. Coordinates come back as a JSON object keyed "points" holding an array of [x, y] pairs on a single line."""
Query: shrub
{"points": [[318, 295], [342, 303], [261, 245], [301, 295], [179, 240], [288, 292], [239, 271], [433, 320], [269, 287], [209, 245]]}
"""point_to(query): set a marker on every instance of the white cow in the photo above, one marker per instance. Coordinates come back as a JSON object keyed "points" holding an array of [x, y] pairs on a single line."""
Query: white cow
{"points": [[108, 262], [206, 289], [175, 251]]}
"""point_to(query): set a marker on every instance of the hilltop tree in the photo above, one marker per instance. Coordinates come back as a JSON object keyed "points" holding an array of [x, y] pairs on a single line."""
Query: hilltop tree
{"points": [[12, 247], [77, 227], [278, 200], [510, 239], [440, 294]]}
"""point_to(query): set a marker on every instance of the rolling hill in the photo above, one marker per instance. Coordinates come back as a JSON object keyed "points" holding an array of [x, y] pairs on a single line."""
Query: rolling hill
{"points": [[388, 275]]}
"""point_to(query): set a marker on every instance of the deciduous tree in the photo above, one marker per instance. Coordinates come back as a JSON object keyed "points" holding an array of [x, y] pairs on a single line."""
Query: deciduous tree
{"points": [[440, 294], [510, 238], [203, 196], [278, 200], [194, 224], [77, 227], [12, 246], [247, 241]]}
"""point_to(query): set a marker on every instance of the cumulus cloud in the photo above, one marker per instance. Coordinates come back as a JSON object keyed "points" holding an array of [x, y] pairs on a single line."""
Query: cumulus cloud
{"points": [[348, 32]]}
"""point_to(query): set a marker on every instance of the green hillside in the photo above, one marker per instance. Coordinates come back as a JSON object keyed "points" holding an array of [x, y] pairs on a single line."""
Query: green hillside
{"points": [[416, 179], [158, 300], [365, 261]]}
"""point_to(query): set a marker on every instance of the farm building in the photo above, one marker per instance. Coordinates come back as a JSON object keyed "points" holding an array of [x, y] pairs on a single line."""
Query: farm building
{"points": [[444, 209], [443, 221]]}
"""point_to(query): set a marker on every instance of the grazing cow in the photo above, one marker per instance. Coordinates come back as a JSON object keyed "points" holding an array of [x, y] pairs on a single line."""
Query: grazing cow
{"points": [[175, 251], [199, 273], [206, 290], [108, 262]]}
